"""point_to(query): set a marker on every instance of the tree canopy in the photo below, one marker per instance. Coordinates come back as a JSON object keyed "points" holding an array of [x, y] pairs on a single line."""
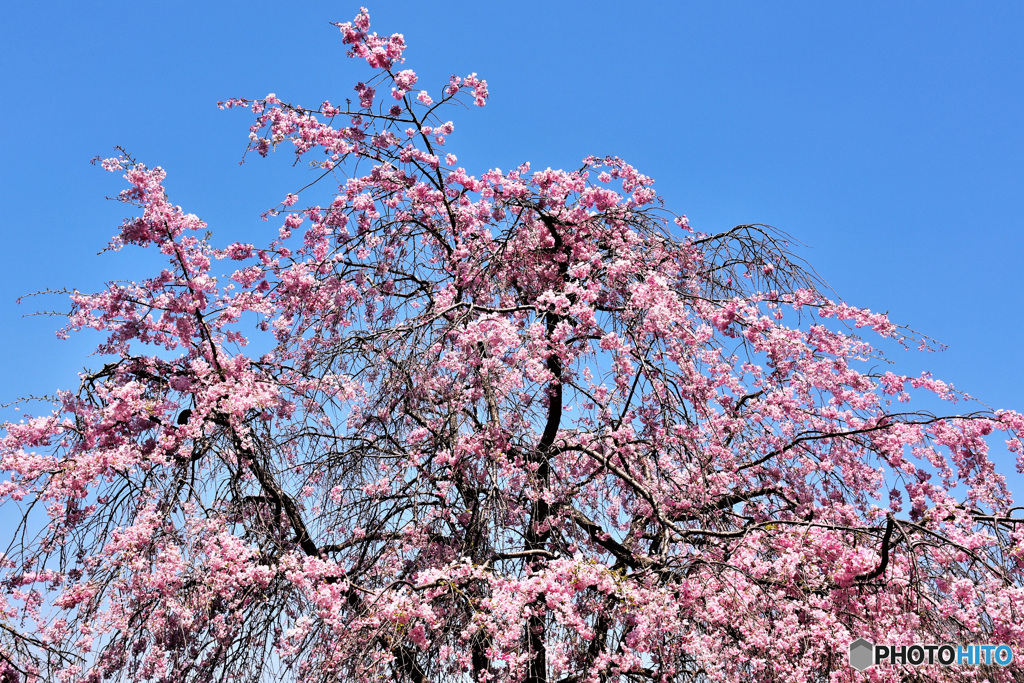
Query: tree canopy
{"points": [[515, 426]]}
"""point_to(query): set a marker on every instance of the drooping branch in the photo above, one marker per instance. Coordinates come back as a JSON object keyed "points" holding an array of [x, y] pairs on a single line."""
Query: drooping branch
{"points": [[883, 562]]}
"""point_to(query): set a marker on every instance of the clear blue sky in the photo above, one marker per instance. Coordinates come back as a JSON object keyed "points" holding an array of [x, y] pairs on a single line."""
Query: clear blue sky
{"points": [[887, 137]]}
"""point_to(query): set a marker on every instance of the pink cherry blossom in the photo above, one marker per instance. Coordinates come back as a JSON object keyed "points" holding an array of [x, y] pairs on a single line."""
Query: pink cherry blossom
{"points": [[447, 423]]}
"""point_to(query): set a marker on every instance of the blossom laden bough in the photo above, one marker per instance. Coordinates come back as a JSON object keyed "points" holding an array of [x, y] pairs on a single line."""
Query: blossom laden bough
{"points": [[515, 426]]}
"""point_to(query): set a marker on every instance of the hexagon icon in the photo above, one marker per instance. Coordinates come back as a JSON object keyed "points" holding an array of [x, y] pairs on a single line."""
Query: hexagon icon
{"points": [[861, 652]]}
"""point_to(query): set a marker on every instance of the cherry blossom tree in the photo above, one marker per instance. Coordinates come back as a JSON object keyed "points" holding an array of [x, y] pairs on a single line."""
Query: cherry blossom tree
{"points": [[515, 426]]}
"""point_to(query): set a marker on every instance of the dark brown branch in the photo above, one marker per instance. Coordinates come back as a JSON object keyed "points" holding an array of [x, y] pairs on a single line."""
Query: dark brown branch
{"points": [[890, 524]]}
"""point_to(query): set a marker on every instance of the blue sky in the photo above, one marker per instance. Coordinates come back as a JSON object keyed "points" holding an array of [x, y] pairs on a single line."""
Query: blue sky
{"points": [[886, 137]]}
